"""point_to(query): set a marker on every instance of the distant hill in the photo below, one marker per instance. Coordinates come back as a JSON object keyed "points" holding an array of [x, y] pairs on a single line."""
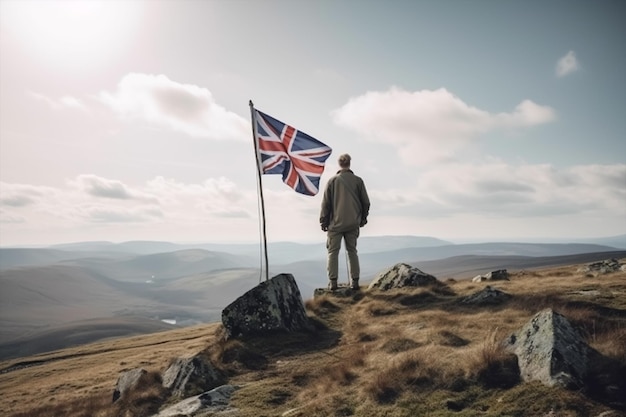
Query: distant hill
{"points": [[76, 333], [167, 265], [481, 249], [614, 241], [14, 257]]}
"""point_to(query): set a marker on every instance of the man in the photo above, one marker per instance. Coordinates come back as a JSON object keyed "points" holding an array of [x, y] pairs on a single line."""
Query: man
{"points": [[345, 207]]}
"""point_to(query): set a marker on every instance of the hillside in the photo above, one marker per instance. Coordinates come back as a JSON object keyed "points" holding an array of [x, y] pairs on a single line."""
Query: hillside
{"points": [[192, 286], [407, 352]]}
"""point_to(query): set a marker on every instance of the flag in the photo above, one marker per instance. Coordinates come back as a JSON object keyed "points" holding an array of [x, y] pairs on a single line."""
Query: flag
{"points": [[288, 151]]}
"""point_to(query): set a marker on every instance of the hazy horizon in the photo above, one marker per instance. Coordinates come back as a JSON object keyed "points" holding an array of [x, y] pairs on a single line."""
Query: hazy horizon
{"points": [[456, 241]]}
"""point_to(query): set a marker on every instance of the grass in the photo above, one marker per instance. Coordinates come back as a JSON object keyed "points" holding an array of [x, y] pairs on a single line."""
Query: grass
{"points": [[406, 352]]}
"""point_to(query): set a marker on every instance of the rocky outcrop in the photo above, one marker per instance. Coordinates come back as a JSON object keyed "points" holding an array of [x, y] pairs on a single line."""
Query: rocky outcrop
{"points": [[551, 351], [191, 376], [401, 275], [126, 381], [487, 296], [499, 275], [275, 304], [208, 403], [603, 267]]}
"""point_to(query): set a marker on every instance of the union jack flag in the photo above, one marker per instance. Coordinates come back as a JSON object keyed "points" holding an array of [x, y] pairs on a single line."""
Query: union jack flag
{"points": [[288, 151]]}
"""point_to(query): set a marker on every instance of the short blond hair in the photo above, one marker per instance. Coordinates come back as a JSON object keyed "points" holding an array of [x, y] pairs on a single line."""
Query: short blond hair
{"points": [[344, 160]]}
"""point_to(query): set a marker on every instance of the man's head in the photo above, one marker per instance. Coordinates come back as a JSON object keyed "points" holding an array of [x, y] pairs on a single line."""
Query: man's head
{"points": [[344, 160]]}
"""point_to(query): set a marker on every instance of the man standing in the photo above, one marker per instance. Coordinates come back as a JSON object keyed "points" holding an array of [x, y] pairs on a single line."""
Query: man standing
{"points": [[345, 207]]}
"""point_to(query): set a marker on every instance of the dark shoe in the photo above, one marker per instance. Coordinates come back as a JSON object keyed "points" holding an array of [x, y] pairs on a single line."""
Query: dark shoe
{"points": [[332, 285], [355, 285]]}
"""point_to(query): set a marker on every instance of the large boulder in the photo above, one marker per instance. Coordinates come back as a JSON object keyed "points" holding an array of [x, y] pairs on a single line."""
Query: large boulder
{"points": [[126, 381], [191, 376], [401, 275], [551, 351], [273, 305], [208, 403]]}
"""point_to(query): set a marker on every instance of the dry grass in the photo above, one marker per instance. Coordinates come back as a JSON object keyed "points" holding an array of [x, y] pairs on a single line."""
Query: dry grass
{"points": [[400, 353]]}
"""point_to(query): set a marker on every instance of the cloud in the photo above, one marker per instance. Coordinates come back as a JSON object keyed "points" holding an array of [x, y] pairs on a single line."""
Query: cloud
{"points": [[567, 64], [120, 214], [452, 199], [185, 108], [7, 218], [65, 102], [430, 125], [107, 188], [497, 189], [22, 195], [216, 196]]}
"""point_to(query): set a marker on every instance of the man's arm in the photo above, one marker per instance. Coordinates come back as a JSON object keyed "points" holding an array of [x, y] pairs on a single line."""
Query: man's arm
{"points": [[326, 211], [365, 204]]}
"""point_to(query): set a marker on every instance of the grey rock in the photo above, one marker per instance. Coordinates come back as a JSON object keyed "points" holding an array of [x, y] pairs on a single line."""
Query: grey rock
{"points": [[551, 351], [191, 376], [401, 275], [341, 291], [498, 275], [126, 381], [273, 305], [603, 267], [487, 296], [216, 400]]}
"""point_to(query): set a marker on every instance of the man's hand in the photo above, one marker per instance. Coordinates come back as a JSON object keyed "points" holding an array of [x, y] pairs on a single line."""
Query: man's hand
{"points": [[363, 222], [324, 227]]}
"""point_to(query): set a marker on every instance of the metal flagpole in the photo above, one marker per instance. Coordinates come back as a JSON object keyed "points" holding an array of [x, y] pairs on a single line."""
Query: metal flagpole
{"points": [[260, 184], [347, 267]]}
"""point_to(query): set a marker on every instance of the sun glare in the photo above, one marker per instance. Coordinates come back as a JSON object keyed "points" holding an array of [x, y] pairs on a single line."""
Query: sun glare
{"points": [[70, 34]]}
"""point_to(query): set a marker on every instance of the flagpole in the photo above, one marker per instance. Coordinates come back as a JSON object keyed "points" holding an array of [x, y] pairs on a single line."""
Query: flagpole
{"points": [[260, 185]]}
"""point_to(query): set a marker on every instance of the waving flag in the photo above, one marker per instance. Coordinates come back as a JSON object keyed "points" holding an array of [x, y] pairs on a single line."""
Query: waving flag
{"points": [[288, 151]]}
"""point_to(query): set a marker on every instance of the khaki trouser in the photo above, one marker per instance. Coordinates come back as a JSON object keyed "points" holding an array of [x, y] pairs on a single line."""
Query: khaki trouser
{"points": [[333, 244]]}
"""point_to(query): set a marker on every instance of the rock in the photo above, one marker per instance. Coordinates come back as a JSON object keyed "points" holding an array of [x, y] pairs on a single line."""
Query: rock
{"points": [[487, 296], [341, 291], [212, 402], [401, 275], [551, 351], [499, 275], [191, 376], [275, 304], [610, 413], [603, 267], [126, 381]]}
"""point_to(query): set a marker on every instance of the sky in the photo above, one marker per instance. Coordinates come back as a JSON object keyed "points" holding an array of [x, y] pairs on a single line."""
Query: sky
{"points": [[468, 120]]}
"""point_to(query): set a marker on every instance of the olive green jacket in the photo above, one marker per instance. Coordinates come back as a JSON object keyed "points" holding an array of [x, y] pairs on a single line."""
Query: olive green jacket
{"points": [[345, 205]]}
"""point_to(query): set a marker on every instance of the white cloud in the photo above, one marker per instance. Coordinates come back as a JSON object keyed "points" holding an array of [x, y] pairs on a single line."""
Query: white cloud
{"points": [[112, 214], [218, 196], [8, 218], [90, 199], [182, 107], [497, 189], [567, 64], [448, 200], [107, 188], [65, 102], [430, 126], [21, 195]]}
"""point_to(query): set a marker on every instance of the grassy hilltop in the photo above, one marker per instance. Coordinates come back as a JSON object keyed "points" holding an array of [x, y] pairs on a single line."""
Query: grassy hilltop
{"points": [[409, 352]]}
